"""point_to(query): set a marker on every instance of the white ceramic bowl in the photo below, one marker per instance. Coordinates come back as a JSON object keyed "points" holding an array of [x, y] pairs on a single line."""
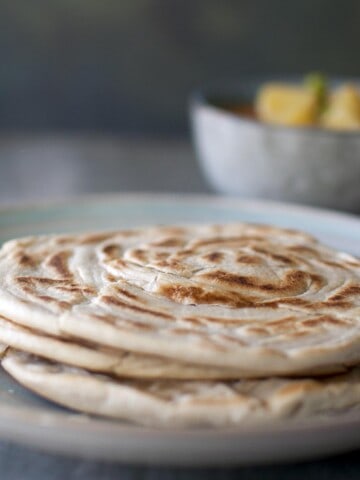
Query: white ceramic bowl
{"points": [[251, 159]]}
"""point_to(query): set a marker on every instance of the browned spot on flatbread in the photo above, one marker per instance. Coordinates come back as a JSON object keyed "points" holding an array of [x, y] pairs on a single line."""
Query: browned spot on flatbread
{"points": [[139, 254], [325, 320], [50, 300], [95, 238], [338, 297], [301, 302], [75, 288], [331, 263], [31, 280], [25, 260], [136, 325], [258, 330], [297, 388], [274, 256], [58, 262], [31, 283], [119, 263], [302, 249], [282, 258], [126, 293], [345, 293], [173, 230], [173, 265], [294, 281], [185, 253], [285, 321], [193, 321], [204, 320], [335, 304], [123, 322], [168, 242], [248, 259], [298, 334], [64, 239], [317, 280], [27, 288], [265, 304], [111, 251], [185, 331], [237, 240], [287, 325], [214, 257], [314, 306], [110, 278], [108, 299], [231, 322], [351, 290], [198, 296], [160, 256], [107, 318]]}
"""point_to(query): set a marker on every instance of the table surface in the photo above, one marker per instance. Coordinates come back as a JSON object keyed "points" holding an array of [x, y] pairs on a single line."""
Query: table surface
{"points": [[57, 166]]}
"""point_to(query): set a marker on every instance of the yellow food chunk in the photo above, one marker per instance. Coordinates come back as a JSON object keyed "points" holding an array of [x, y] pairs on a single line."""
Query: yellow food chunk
{"points": [[286, 105], [343, 112]]}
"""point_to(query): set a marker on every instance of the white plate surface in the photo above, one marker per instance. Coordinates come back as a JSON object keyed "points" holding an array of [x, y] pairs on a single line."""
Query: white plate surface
{"points": [[27, 419]]}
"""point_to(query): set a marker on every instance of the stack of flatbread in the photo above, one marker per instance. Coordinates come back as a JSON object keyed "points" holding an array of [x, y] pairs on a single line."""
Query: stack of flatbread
{"points": [[197, 325]]}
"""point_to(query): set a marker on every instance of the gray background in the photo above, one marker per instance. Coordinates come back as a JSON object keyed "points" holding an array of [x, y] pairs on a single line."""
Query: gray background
{"points": [[129, 65], [96, 81]]}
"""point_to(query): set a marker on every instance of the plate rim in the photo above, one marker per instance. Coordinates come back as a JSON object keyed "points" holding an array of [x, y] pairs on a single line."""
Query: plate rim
{"points": [[186, 198], [121, 441]]}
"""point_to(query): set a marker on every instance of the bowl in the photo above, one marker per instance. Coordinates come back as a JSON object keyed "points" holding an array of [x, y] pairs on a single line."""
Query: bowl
{"points": [[248, 158]]}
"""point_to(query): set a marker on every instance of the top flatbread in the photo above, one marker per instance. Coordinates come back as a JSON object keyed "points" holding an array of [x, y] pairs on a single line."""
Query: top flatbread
{"points": [[261, 299]]}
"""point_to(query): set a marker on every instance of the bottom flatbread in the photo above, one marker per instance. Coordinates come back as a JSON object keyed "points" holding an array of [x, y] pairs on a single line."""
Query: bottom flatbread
{"points": [[164, 403]]}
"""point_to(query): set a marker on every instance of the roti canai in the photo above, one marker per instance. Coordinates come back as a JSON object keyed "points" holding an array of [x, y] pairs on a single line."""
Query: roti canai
{"points": [[257, 299], [185, 403]]}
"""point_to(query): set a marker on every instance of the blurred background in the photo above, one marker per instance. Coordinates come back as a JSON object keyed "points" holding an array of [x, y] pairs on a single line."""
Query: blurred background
{"points": [[94, 95]]}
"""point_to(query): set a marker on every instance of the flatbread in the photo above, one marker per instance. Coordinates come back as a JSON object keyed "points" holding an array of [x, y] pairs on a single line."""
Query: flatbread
{"points": [[259, 299], [185, 403], [98, 358]]}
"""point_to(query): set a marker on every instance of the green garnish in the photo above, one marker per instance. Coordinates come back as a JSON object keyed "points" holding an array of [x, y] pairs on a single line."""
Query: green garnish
{"points": [[318, 84]]}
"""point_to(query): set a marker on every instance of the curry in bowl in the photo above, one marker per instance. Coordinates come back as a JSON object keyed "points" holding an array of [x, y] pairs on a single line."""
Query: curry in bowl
{"points": [[308, 104]]}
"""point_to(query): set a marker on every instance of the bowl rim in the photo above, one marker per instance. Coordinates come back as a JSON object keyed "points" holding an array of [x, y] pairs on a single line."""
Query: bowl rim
{"points": [[200, 97]]}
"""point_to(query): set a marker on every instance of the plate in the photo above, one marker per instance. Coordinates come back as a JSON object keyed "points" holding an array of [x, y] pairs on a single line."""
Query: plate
{"points": [[28, 419]]}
